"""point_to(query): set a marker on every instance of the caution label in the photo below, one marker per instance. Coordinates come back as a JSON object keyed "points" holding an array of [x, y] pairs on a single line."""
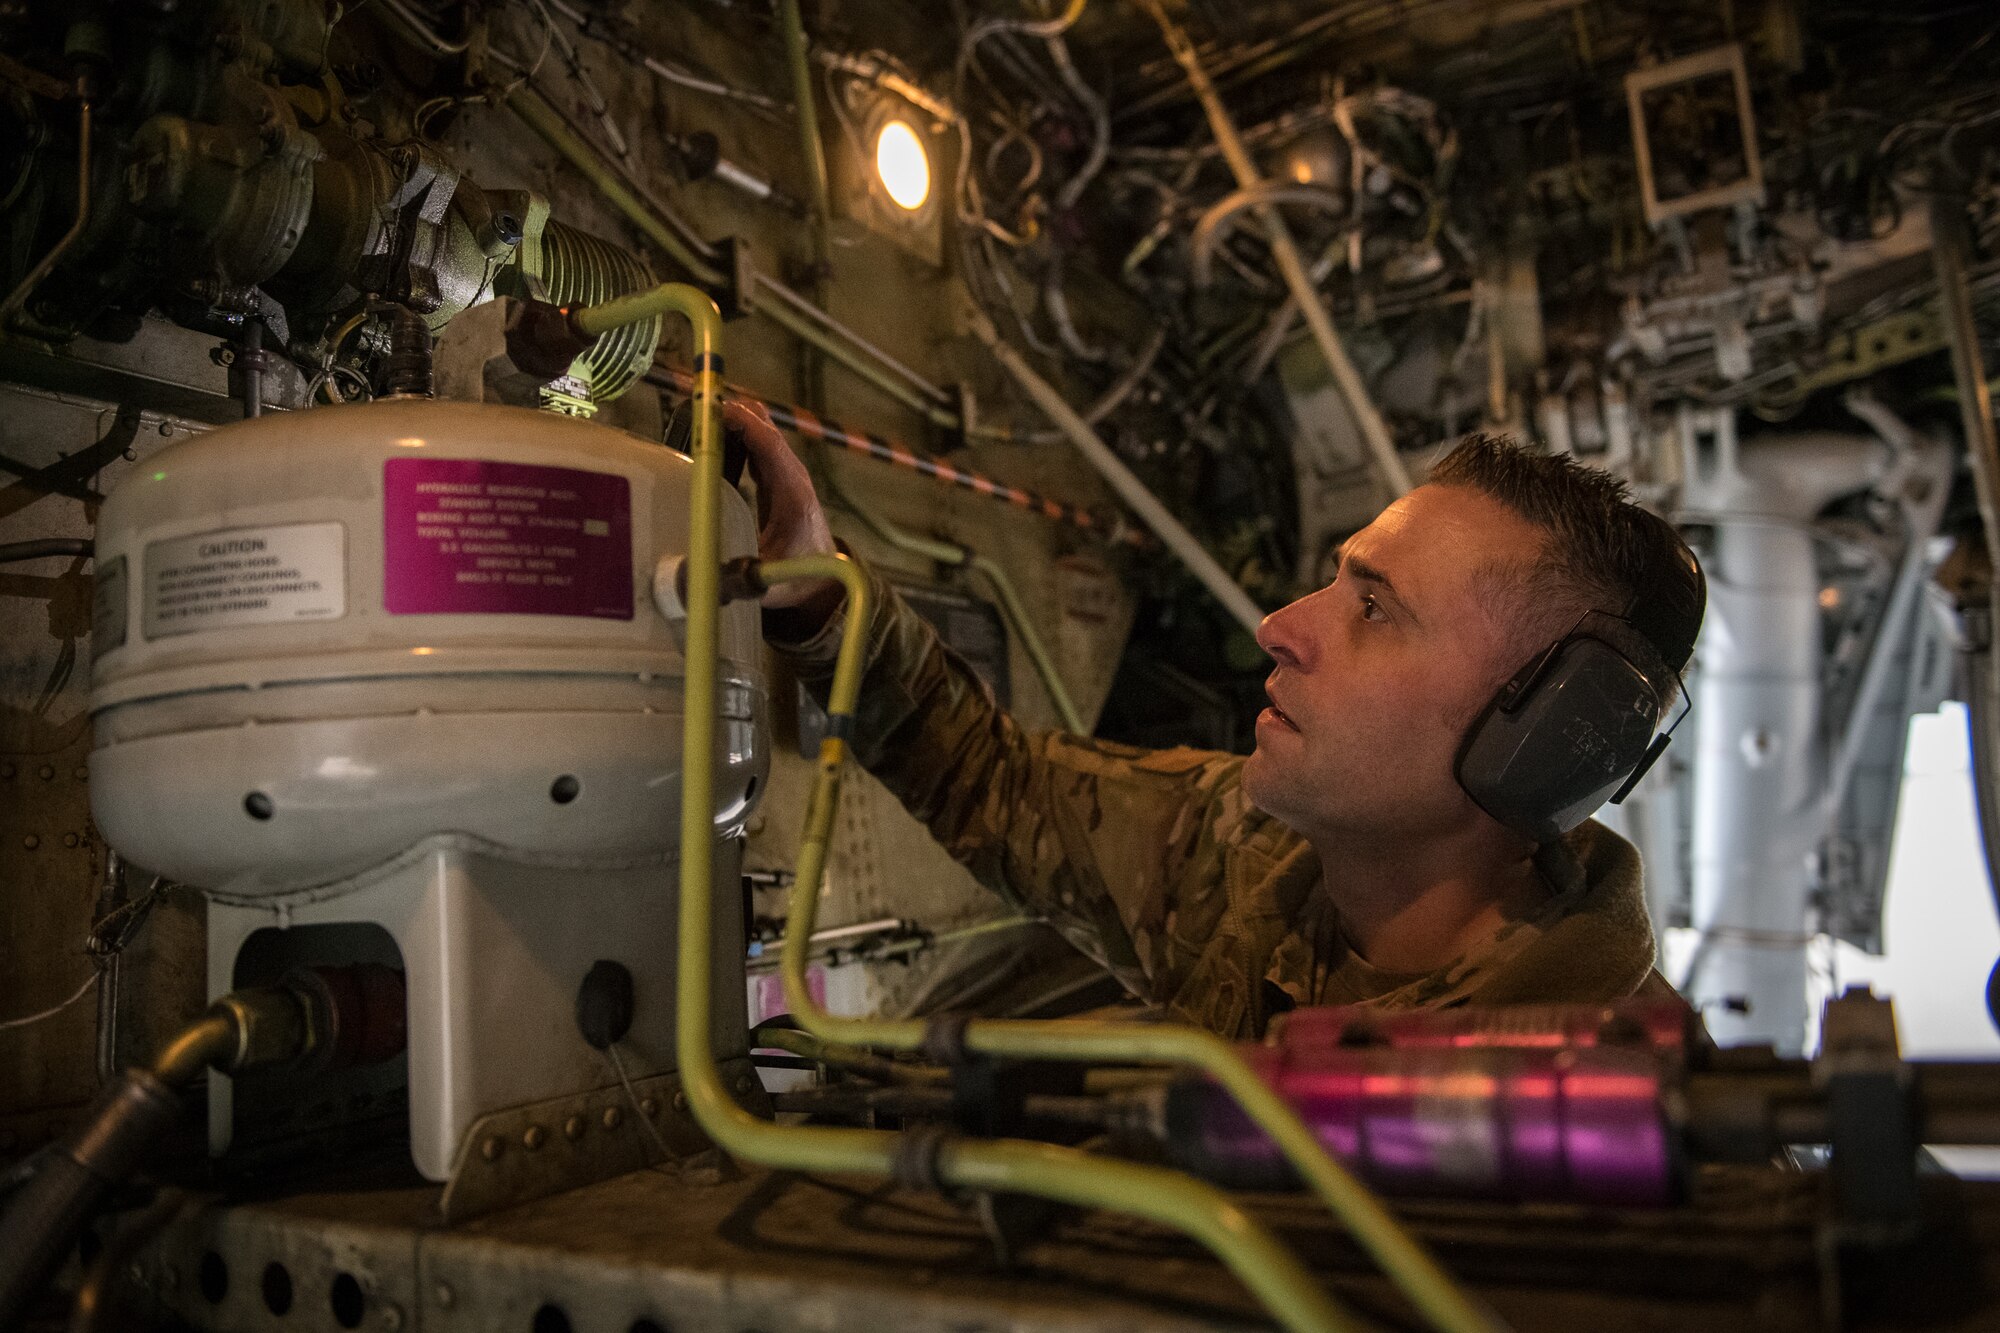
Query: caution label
{"points": [[245, 576]]}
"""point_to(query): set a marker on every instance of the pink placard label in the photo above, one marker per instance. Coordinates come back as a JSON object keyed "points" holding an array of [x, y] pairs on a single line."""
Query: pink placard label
{"points": [[467, 535]]}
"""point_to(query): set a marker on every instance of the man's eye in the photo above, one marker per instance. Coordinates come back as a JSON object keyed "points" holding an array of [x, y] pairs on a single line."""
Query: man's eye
{"points": [[1372, 609]]}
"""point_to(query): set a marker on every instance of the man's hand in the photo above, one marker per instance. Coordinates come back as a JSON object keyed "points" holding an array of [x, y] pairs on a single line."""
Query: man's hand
{"points": [[790, 521]]}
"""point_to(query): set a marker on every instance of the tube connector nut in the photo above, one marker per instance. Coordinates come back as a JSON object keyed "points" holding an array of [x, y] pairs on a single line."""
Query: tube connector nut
{"points": [[543, 339], [742, 580], [274, 1025]]}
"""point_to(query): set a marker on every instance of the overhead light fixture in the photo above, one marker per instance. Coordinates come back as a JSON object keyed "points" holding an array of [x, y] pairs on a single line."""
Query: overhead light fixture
{"points": [[902, 165]]}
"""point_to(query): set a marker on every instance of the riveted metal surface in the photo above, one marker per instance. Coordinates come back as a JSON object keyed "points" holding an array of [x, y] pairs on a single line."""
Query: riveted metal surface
{"points": [[778, 1253], [350, 1263], [530, 1152]]}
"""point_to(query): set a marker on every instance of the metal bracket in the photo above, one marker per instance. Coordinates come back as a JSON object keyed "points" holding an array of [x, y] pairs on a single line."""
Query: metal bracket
{"points": [[736, 296], [543, 1148], [1717, 62], [967, 410], [1871, 1119], [1862, 351], [71, 476]]}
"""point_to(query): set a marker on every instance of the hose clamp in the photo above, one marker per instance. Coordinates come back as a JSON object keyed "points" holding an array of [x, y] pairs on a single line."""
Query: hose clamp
{"points": [[944, 1039], [917, 1157]]}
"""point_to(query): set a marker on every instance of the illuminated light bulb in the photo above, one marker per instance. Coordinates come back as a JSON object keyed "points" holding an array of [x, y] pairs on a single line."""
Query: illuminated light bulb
{"points": [[902, 165]]}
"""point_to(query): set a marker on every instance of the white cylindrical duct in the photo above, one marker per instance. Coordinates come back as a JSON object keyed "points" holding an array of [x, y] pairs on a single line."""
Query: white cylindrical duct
{"points": [[1760, 755], [1755, 779]]}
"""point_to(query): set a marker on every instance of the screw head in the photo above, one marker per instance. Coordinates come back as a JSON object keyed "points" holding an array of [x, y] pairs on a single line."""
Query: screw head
{"points": [[680, 1100], [69, 839], [613, 1117], [45, 772], [650, 1107], [445, 1296], [492, 1148], [82, 773], [392, 1316], [31, 842], [744, 1083], [573, 1128], [534, 1137]]}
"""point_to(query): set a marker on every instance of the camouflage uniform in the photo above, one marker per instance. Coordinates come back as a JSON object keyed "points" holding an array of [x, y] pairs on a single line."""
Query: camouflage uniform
{"points": [[1155, 864]]}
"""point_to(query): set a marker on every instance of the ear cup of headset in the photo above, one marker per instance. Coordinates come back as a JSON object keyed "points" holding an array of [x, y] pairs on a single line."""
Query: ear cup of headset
{"points": [[1560, 739]]}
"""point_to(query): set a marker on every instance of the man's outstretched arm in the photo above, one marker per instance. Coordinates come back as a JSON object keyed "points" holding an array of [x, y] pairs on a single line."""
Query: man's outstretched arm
{"points": [[1105, 841]]}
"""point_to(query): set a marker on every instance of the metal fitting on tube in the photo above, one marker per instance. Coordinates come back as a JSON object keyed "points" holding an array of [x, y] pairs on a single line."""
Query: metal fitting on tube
{"points": [[407, 368], [543, 339], [41, 1219], [353, 1015], [742, 580]]}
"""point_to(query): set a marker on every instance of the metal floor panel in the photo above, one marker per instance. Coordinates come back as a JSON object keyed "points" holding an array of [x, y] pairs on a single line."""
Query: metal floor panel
{"points": [[768, 1253]]}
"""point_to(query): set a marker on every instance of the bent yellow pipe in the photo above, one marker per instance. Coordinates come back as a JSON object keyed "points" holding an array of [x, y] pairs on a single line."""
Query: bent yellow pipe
{"points": [[1064, 1174]]}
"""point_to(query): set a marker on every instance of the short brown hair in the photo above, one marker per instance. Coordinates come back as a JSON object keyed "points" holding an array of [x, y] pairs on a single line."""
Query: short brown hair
{"points": [[1601, 544]]}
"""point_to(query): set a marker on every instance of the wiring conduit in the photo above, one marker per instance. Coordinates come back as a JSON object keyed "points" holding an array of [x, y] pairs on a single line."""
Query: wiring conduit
{"points": [[544, 120], [26, 287], [810, 146], [1388, 464], [810, 425], [1018, 620], [1151, 512]]}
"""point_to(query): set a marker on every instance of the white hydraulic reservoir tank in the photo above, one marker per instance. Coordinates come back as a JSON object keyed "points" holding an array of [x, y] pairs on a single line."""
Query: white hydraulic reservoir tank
{"points": [[323, 637]]}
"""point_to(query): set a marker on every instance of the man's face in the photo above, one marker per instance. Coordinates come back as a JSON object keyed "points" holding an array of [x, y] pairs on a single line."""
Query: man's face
{"points": [[1379, 673]]}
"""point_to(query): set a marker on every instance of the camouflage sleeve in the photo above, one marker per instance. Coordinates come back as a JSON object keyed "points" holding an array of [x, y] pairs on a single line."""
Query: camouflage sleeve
{"points": [[1105, 841]]}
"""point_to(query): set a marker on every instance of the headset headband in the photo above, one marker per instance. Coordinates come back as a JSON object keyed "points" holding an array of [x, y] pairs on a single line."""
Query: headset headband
{"points": [[1667, 605]]}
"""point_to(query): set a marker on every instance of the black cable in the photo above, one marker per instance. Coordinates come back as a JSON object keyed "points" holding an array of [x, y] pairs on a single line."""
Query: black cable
{"points": [[23, 1171], [46, 1213], [44, 547]]}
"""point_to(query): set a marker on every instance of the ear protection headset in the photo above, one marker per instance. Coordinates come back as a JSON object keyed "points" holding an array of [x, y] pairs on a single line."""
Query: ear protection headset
{"points": [[1576, 725]]}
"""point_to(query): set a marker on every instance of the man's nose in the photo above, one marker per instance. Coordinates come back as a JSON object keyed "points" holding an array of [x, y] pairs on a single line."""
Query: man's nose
{"points": [[1280, 634]]}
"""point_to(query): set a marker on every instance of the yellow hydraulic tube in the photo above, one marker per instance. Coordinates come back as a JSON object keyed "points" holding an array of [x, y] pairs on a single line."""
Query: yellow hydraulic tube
{"points": [[847, 1057], [631, 308], [1271, 1273], [1426, 1284]]}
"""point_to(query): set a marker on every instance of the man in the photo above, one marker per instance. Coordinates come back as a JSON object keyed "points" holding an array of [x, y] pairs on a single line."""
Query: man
{"points": [[1344, 861]]}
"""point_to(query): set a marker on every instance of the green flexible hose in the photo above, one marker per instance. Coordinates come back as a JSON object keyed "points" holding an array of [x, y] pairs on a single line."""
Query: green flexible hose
{"points": [[1065, 1174]]}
